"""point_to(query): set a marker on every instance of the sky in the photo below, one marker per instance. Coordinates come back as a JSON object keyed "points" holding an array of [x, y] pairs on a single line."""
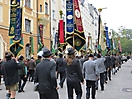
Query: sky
{"points": [[118, 12]]}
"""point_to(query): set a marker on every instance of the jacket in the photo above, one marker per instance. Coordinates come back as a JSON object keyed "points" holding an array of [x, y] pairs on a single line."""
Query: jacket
{"points": [[45, 75], [90, 70], [100, 64], [22, 71], [10, 72], [74, 72], [31, 64], [60, 65]]}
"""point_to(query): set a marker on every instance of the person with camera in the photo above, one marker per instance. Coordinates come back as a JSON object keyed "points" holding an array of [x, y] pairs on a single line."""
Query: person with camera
{"points": [[10, 73]]}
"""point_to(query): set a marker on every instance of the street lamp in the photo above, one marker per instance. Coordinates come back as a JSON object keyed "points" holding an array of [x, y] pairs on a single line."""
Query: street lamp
{"points": [[99, 20]]}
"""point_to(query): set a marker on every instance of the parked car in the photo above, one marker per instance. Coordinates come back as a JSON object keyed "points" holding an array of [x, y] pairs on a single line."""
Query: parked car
{"points": [[124, 58]]}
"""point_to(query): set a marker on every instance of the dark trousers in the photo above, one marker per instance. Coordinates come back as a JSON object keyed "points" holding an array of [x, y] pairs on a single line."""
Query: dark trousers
{"points": [[22, 85], [101, 81], [31, 75], [62, 77], [49, 95], [108, 75], [90, 84], [0, 79], [78, 90]]}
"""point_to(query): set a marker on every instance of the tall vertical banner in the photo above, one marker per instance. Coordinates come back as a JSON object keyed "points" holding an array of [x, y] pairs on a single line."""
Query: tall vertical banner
{"points": [[69, 22], [40, 38], [79, 36], [119, 45], [61, 36], [16, 37], [107, 37]]}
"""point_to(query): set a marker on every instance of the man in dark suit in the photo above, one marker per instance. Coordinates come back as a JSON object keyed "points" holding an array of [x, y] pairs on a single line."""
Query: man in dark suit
{"points": [[61, 69], [108, 66], [90, 71], [10, 73], [45, 75]]}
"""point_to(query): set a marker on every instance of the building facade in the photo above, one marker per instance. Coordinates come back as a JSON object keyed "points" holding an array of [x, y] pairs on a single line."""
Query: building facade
{"points": [[35, 12]]}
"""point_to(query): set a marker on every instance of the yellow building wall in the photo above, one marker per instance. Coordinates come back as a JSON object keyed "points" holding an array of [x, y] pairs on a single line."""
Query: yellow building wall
{"points": [[30, 14]]}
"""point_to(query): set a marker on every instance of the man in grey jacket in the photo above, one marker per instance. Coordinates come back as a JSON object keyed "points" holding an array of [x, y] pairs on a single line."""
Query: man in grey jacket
{"points": [[90, 71], [101, 69]]}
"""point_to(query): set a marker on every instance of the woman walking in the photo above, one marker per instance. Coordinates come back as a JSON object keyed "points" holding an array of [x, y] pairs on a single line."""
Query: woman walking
{"points": [[73, 75]]}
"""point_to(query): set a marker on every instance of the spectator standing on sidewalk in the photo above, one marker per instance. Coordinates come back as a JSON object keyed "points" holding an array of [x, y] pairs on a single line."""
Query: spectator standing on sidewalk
{"points": [[10, 73]]}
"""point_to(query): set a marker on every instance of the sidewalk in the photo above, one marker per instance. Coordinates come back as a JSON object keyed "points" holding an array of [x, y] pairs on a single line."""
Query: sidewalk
{"points": [[121, 85]]}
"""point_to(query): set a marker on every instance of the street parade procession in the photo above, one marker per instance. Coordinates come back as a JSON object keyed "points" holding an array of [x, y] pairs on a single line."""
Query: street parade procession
{"points": [[67, 62]]}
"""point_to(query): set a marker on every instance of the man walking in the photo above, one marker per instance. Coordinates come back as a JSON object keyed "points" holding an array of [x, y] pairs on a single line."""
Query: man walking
{"points": [[45, 75], [61, 69], [31, 66], [90, 71], [101, 69]]}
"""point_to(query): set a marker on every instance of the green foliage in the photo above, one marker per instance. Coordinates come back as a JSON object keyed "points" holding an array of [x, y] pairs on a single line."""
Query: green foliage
{"points": [[125, 39], [126, 45]]}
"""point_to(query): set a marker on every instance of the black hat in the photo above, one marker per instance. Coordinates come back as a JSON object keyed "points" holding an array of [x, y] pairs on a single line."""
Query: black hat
{"points": [[21, 57], [60, 54], [90, 55], [70, 51], [46, 52], [98, 56], [8, 55]]}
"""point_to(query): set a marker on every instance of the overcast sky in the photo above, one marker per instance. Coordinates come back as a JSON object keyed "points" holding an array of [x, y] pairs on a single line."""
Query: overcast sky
{"points": [[118, 12]]}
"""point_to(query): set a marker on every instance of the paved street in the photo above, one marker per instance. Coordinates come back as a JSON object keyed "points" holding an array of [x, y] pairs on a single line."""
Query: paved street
{"points": [[115, 89]]}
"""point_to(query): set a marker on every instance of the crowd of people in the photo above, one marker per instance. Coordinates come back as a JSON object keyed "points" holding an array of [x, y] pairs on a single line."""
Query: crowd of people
{"points": [[46, 69]]}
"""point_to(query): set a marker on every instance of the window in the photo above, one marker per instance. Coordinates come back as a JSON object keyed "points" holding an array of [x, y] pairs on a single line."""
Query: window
{"points": [[53, 31], [27, 25], [1, 13], [28, 3], [46, 8], [40, 8], [95, 32], [53, 13]]}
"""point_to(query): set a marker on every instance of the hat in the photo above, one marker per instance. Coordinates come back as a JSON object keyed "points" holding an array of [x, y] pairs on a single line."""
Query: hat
{"points": [[90, 55], [46, 52], [70, 51], [21, 57], [60, 54], [8, 55], [98, 56]]}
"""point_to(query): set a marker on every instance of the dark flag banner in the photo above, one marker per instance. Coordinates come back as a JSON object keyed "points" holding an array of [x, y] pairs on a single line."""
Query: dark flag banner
{"points": [[107, 37], [13, 15], [16, 37], [69, 22], [61, 36], [79, 37], [40, 38], [32, 45]]}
